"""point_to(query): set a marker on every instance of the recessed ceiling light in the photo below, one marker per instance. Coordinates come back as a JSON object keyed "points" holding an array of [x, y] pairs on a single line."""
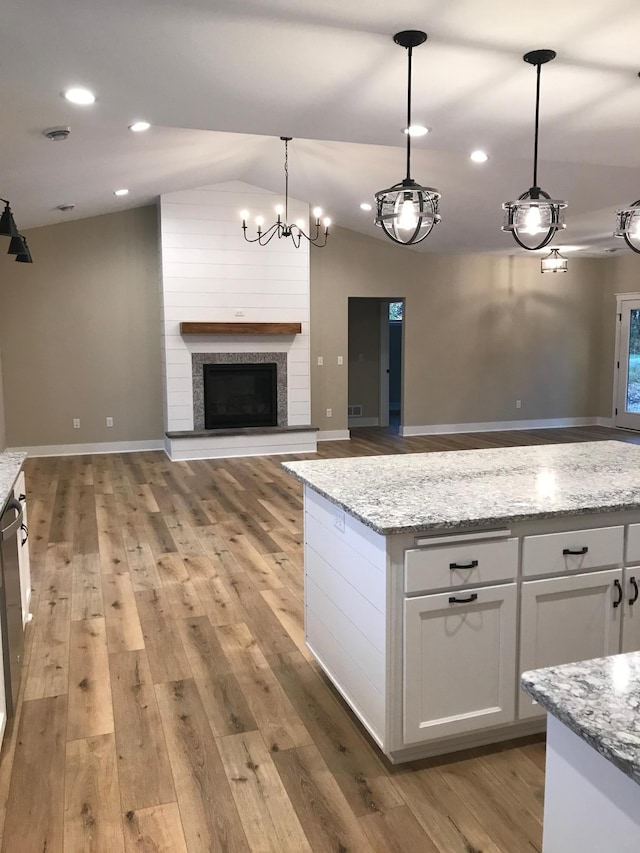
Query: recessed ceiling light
{"points": [[365, 206], [80, 96], [121, 192], [416, 130], [479, 156], [139, 126]]}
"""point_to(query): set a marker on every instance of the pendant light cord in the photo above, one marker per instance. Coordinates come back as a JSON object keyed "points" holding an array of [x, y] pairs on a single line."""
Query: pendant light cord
{"points": [[410, 49], [535, 137], [286, 181]]}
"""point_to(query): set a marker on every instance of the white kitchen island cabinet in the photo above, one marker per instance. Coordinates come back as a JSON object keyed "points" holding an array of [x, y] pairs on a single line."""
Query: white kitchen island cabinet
{"points": [[432, 581]]}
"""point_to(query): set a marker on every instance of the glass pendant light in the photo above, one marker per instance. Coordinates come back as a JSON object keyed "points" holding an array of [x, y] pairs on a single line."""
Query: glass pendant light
{"points": [[407, 211], [534, 217], [554, 262], [628, 226]]}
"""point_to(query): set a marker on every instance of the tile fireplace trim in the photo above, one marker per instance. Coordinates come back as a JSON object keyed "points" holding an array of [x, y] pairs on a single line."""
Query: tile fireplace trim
{"points": [[199, 359]]}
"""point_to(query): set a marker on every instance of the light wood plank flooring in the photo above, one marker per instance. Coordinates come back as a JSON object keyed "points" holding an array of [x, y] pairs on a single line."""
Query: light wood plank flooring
{"points": [[168, 700]]}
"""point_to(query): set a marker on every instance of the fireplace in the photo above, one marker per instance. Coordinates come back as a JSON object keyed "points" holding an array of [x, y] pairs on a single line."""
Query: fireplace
{"points": [[240, 395]]}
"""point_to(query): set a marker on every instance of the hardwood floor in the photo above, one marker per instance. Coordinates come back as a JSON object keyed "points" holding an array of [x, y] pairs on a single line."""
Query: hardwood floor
{"points": [[169, 703]]}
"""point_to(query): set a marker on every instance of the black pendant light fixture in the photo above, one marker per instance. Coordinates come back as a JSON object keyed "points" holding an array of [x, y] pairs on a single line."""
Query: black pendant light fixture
{"points": [[25, 256], [534, 217], [282, 227], [8, 228], [628, 226], [554, 262], [407, 211]]}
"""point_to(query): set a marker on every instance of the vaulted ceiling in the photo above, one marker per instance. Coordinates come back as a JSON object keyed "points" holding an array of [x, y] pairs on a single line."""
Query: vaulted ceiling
{"points": [[221, 80]]}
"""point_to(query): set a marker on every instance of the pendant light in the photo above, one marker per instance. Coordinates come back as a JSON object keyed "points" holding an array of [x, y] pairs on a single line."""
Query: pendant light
{"points": [[8, 228], [282, 227], [554, 262], [628, 226], [534, 217], [407, 211]]}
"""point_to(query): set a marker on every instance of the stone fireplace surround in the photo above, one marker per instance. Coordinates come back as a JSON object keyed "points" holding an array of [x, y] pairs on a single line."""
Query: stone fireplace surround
{"points": [[199, 359]]}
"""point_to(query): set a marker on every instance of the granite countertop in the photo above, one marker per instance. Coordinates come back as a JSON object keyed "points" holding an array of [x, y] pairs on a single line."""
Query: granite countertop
{"points": [[599, 700], [478, 488], [10, 465]]}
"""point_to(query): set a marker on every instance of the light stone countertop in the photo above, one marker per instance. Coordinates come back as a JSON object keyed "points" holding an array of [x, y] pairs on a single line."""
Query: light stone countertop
{"points": [[478, 488], [10, 465], [599, 700]]}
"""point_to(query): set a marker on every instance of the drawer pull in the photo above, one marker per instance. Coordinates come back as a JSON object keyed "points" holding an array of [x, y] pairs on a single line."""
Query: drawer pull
{"points": [[636, 592], [618, 587], [455, 600], [470, 565], [577, 553]]}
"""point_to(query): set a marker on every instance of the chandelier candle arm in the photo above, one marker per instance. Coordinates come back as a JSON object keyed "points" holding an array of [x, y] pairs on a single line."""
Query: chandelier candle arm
{"points": [[535, 214], [407, 212], [281, 228]]}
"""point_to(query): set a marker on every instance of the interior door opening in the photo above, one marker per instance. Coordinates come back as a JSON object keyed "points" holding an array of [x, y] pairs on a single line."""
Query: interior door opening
{"points": [[375, 362]]}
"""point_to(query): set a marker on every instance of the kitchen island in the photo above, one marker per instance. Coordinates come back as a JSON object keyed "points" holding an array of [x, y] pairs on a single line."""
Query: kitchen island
{"points": [[592, 787], [433, 580]]}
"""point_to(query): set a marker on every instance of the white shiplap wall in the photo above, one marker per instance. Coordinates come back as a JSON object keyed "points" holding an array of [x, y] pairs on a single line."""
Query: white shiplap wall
{"points": [[209, 273]]}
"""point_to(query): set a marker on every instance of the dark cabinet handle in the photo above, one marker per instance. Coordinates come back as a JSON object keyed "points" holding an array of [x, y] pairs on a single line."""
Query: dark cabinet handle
{"points": [[578, 553], [618, 587], [25, 531], [470, 565], [636, 592], [454, 600], [22, 497]]}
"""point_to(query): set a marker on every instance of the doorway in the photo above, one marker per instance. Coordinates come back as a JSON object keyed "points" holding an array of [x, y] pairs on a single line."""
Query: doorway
{"points": [[375, 362], [627, 385]]}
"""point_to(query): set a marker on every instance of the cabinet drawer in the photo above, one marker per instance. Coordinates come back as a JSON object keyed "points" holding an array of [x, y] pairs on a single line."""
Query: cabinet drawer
{"points": [[466, 564], [633, 544], [578, 550]]}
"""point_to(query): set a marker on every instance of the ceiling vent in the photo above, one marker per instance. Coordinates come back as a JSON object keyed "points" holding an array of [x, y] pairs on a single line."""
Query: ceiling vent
{"points": [[57, 134]]}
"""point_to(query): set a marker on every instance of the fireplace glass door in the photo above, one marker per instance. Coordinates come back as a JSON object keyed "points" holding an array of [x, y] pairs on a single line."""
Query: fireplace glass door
{"points": [[240, 395]]}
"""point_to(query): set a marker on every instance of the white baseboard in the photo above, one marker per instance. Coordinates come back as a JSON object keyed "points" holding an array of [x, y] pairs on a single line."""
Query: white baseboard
{"points": [[364, 422], [87, 449], [606, 422], [333, 435], [500, 426]]}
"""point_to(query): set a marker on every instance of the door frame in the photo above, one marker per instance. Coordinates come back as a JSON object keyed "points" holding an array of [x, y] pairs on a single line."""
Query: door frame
{"points": [[620, 299], [384, 362]]}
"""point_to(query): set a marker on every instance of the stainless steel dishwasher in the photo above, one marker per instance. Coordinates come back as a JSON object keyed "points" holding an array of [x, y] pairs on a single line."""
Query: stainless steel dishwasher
{"points": [[11, 602]]}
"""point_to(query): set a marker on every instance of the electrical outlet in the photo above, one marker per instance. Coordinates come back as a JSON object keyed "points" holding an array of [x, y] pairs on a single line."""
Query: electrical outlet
{"points": [[76, 423], [109, 422], [320, 361], [340, 360], [338, 520], [518, 404], [329, 413], [239, 314]]}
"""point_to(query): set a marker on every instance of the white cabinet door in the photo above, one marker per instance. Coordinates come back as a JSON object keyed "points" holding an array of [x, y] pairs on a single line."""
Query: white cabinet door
{"points": [[631, 614], [568, 619], [459, 662], [23, 549]]}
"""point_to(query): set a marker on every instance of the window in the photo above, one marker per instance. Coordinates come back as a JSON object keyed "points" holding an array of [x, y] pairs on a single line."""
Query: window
{"points": [[395, 310]]}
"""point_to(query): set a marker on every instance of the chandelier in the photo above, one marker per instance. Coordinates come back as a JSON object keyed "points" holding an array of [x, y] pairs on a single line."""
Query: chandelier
{"points": [[8, 228], [407, 212], [282, 227], [534, 217], [628, 226], [554, 262]]}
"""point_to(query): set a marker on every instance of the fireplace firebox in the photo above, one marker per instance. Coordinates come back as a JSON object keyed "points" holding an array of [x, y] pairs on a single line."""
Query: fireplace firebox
{"points": [[240, 395]]}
